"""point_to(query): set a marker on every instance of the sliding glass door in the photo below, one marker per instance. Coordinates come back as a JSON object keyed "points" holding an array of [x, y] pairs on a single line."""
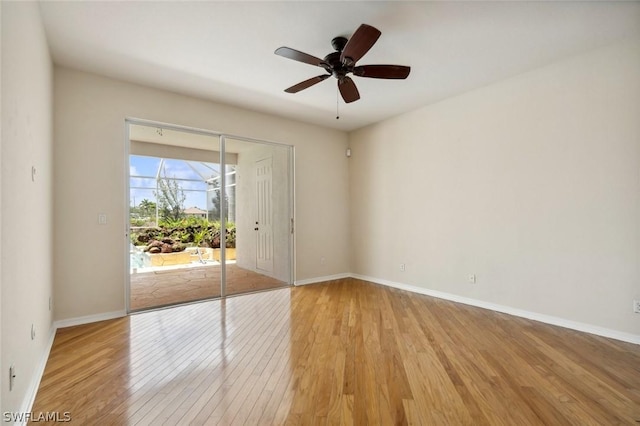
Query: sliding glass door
{"points": [[208, 216]]}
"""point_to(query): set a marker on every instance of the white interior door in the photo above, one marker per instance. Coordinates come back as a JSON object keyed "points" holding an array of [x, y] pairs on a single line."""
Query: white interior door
{"points": [[264, 210]]}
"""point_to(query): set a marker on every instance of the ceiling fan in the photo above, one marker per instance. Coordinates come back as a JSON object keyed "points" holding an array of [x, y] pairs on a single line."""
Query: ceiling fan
{"points": [[343, 62]]}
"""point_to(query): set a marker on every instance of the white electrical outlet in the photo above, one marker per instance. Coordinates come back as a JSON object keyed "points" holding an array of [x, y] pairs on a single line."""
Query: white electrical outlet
{"points": [[472, 278], [403, 267], [636, 306], [102, 218], [323, 261]]}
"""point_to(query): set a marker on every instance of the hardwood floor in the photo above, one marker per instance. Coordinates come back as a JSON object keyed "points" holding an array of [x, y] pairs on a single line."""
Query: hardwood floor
{"points": [[344, 352], [171, 286]]}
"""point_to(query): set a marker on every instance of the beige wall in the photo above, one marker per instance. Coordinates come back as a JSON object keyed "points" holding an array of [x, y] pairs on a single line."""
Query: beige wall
{"points": [[27, 206], [532, 183], [89, 122]]}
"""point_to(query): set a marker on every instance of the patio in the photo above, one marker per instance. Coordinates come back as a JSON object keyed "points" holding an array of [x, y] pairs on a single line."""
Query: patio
{"points": [[167, 286]]}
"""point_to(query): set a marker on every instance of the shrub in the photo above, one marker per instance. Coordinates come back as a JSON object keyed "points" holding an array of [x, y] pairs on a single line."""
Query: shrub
{"points": [[186, 231]]}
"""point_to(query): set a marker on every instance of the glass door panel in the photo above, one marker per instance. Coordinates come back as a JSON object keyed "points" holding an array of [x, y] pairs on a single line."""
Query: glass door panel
{"points": [[174, 222], [258, 193]]}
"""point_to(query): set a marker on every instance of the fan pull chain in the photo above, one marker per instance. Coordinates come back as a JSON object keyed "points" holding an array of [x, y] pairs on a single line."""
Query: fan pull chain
{"points": [[337, 104]]}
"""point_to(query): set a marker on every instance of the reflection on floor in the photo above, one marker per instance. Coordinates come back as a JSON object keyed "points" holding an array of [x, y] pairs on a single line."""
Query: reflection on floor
{"points": [[165, 286]]}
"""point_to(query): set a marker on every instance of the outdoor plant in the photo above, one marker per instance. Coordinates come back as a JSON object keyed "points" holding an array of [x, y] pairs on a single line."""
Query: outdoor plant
{"points": [[231, 235], [199, 232], [212, 238], [138, 221], [170, 196], [199, 236]]}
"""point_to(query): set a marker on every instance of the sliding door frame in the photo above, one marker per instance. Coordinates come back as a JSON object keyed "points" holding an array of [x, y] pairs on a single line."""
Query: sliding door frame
{"points": [[223, 210]]}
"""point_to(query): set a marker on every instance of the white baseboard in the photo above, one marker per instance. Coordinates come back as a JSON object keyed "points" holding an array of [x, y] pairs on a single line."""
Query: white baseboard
{"points": [[32, 391], [547, 319], [36, 378], [70, 322], [316, 280]]}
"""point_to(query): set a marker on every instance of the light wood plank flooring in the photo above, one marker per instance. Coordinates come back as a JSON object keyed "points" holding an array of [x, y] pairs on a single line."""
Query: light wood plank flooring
{"points": [[171, 286], [344, 352]]}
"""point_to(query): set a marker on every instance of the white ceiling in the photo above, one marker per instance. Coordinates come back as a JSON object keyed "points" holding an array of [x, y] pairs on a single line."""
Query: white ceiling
{"points": [[223, 51]]}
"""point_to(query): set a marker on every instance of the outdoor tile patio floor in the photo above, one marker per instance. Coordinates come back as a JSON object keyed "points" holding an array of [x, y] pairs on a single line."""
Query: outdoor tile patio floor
{"points": [[179, 285]]}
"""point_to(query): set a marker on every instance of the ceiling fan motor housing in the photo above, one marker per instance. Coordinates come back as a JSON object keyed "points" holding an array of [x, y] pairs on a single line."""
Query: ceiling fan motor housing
{"points": [[336, 67]]}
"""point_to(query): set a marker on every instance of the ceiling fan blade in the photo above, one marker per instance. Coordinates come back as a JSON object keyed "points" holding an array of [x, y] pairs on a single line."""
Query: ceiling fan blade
{"points": [[360, 43], [307, 83], [382, 71], [348, 90], [296, 55]]}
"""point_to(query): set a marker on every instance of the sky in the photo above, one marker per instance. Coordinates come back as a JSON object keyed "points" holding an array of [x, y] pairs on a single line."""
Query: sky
{"points": [[148, 166]]}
